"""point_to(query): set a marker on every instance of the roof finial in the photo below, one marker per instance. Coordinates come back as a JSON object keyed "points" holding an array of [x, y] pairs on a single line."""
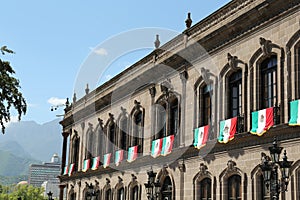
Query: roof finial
{"points": [[188, 21], [74, 97], [87, 90], [157, 42]]}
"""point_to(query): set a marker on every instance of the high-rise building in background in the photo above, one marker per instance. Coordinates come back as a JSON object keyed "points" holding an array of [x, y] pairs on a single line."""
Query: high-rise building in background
{"points": [[39, 173]]}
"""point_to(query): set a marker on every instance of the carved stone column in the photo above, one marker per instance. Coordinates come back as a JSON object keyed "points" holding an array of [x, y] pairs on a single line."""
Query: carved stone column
{"points": [[152, 92], [64, 151], [183, 77]]}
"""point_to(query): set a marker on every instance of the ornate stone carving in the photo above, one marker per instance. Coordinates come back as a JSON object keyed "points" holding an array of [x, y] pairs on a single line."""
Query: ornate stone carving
{"points": [[181, 167], [120, 180], [100, 121], [123, 110], [266, 46], [137, 105], [152, 91], [203, 169], [206, 74], [133, 177], [231, 166], [165, 86], [107, 181], [233, 62], [111, 116], [184, 76]]}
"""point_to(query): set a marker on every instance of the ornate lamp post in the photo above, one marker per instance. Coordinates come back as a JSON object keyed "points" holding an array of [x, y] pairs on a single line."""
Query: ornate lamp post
{"points": [[50, 195], [152, 187], [269, 166]]}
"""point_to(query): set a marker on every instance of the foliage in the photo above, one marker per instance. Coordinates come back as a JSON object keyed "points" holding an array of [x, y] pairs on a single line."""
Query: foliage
{"points": [[26, 192], [10, 96]]}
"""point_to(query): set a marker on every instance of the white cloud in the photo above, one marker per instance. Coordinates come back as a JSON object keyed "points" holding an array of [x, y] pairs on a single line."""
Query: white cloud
{"points": [[100, 51], [13, 119], [54, 101]]}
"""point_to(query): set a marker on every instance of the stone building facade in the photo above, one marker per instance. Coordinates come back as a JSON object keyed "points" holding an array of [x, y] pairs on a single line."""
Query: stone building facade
{"points": [[242, 58]]}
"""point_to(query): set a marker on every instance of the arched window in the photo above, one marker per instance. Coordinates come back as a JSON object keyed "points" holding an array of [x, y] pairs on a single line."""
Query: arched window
{"points": [[108, 195], [235, 94], [134, 193], [138, 131], [268, 82], [137, 126], [168, 117], [174, 121], [121, 194], [75, 151], [161, 112], [122, 140], [234, 187], [100, 140], [110, 135], [89, 144], [167, 189], [72, 196], [205, 104], [204, 189]]}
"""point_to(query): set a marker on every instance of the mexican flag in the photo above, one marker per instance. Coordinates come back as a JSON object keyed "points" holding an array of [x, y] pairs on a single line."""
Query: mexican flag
{"points": [[106, 160], [86, 165], [227, 130], [65, 170], [132, 153], [71, 169], [294, 113], [156, 147], [96, 161], [167, 145], [119, 157], [200, 136], [262, 121]]}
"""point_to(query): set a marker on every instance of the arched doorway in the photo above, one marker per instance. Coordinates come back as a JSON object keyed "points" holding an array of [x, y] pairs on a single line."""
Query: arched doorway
{"points": [[166, 189]]}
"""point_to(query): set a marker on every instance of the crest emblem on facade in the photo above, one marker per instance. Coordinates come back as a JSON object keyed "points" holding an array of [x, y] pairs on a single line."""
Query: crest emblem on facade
{"points": [[262, 117]]}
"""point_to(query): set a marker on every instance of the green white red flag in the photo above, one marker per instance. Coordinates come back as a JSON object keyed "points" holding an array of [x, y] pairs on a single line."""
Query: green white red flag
{"points": [[71, 169], [167, 145], [106, 160], [86, 165], [156, 147], [119, 157], [227, 130], [65, 170], [262, 121], [96, 161], [200, 136], [294, 113], [132, 153]]}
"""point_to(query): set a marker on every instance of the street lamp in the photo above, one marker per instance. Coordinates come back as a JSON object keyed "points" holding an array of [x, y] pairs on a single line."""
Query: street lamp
{"points": [[269, 167], [50, 195], [152, 187]]}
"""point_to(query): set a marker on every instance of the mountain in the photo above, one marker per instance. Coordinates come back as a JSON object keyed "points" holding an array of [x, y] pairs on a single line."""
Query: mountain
{"points": [[38, 141], [12, 165]]}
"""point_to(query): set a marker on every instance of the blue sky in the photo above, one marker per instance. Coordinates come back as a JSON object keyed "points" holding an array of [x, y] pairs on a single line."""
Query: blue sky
{"points": [[52, 40]]}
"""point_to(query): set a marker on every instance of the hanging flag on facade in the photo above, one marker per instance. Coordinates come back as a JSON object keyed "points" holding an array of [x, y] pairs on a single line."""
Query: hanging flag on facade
{"points": [[65, 170], [156, 147], [106, 160], [294, 113], [119, 157], [200, 136], [262, 121], [96, 161], [132, 153], [71, 169], [167, 145], [227, 130], [86, 165]]}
